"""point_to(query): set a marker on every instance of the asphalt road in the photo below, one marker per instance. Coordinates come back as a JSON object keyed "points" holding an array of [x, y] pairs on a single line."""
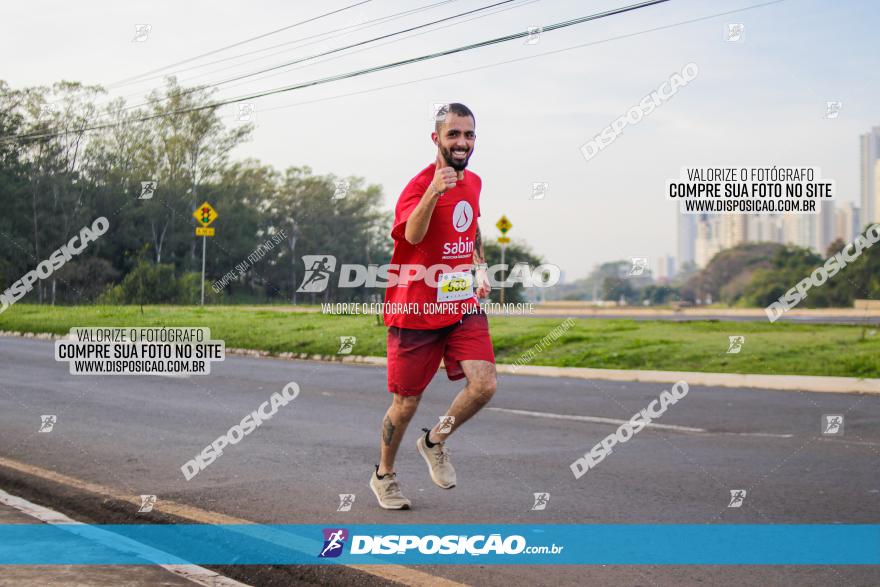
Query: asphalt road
{"points": [[133, 433]]}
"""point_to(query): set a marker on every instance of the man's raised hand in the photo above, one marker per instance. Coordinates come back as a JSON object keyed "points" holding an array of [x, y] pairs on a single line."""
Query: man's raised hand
{"points": [[444, 176]]}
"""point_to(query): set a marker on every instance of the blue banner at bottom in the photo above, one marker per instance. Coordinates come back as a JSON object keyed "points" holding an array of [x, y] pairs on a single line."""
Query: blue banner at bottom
{"points": [[413, 544]]}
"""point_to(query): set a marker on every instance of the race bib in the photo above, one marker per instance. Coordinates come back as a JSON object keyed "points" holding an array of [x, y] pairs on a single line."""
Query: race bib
{"points": [[455, 286]]}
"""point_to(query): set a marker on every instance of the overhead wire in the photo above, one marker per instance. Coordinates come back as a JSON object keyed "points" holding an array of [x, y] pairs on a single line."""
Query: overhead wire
{"points": [[351, 74]]}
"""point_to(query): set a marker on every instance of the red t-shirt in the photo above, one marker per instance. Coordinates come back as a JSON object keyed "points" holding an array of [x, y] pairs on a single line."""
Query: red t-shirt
{"points": [[443, 295]]}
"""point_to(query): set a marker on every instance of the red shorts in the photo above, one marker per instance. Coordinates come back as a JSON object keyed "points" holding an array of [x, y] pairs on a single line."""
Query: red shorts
{"points": [[414, 355]]}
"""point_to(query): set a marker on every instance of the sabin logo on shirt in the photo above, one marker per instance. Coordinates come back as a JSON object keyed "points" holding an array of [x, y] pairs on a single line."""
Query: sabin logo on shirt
{"points": [[462, 216]]}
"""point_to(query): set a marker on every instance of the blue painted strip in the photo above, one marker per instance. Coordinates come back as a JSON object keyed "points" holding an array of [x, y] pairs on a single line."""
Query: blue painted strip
{"points": [[635, 544]]}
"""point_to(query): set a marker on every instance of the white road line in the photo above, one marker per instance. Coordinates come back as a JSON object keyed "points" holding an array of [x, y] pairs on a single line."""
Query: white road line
{"points": [[595, 419], [616, 422], [194, 573], [756, 434]]}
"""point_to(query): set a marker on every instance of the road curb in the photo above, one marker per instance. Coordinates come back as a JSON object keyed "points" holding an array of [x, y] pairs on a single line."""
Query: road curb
{"points": [[812, 383]]}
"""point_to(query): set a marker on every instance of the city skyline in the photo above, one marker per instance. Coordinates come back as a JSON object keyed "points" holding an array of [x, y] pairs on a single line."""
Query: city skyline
{"points": [[702, 236]]}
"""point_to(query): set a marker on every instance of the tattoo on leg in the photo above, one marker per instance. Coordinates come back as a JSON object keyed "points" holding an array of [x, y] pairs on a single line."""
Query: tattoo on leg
{"points": [[387, 431]]}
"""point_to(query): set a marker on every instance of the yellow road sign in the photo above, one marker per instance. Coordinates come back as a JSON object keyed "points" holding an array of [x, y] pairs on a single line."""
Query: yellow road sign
{"points": [[504, 224], [205, 214], [503, 240], [204, 231]]}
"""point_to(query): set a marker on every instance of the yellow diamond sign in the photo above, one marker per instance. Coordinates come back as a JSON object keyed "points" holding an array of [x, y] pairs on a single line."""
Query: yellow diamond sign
{"points": [[504, 224], [205, 214]]}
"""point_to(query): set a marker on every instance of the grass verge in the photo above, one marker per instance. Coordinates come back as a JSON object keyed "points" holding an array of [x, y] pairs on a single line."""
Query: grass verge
{"points": [[780, 348]]}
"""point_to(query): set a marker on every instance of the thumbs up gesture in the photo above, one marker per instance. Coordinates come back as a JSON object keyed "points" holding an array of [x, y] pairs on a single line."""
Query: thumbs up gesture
{"points": [[444, 176]]}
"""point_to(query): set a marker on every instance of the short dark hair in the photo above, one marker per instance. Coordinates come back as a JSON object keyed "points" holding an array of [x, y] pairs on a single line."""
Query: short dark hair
{"points": [[454, 107]]}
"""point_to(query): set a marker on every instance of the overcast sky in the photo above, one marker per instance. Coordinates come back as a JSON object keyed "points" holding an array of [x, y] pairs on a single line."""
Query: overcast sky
{"points": [[756, 102]]}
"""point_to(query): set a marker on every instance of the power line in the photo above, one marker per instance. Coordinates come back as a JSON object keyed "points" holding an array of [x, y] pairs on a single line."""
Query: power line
{"points": [[357, 73], [332, 51], [435, 55], [239, 43], [359, 26], [523, 3], [525, 58], [360, 43]]}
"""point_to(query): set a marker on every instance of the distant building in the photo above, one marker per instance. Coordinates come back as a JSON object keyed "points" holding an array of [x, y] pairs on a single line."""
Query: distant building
{"points": [[810, 231], [716, 232], [665, 269], [869, 155], [734, 230], [708, 240], [825, 228], [687, 238], [765, 228], [847, 222], [875, 216]]}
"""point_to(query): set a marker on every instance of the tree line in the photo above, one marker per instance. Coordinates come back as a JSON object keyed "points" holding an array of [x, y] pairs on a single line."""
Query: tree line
{"points": [[56, 176], [58, 173], [747, 275]]}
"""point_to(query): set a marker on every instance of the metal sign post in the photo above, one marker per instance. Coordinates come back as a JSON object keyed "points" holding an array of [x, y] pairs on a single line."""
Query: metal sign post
{"points": [[503, 225], [204, 215], [204, 239]]}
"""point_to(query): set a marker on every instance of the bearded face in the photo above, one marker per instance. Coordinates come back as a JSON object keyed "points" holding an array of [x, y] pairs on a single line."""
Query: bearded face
{"points": [[456, 139]]}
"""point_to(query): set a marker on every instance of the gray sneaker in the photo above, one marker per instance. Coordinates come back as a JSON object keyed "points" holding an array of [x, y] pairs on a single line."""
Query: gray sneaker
{"points": [[387, 491], [442, 472]]}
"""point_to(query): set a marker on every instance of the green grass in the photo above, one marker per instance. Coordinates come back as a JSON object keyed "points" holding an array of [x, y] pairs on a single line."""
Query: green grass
{"points": [[784, 349]]}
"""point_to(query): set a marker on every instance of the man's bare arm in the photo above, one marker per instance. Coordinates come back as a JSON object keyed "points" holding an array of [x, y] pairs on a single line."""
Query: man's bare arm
{"points": [[479, 257], [418, 221], [483, 285], [417, 224]]}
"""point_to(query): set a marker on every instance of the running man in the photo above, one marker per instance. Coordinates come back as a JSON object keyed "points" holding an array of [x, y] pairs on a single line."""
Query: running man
{"points": [[435, 315]]}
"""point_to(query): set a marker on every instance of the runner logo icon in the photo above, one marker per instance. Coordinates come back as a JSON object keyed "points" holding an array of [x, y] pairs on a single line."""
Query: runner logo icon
{"points": [[541, 500], [346, 345], [346, 500], [318, 270], [736, 344], [737, 496], [334, 541], [446, 424], [147, 503], [47, 422], [832, 424]]}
